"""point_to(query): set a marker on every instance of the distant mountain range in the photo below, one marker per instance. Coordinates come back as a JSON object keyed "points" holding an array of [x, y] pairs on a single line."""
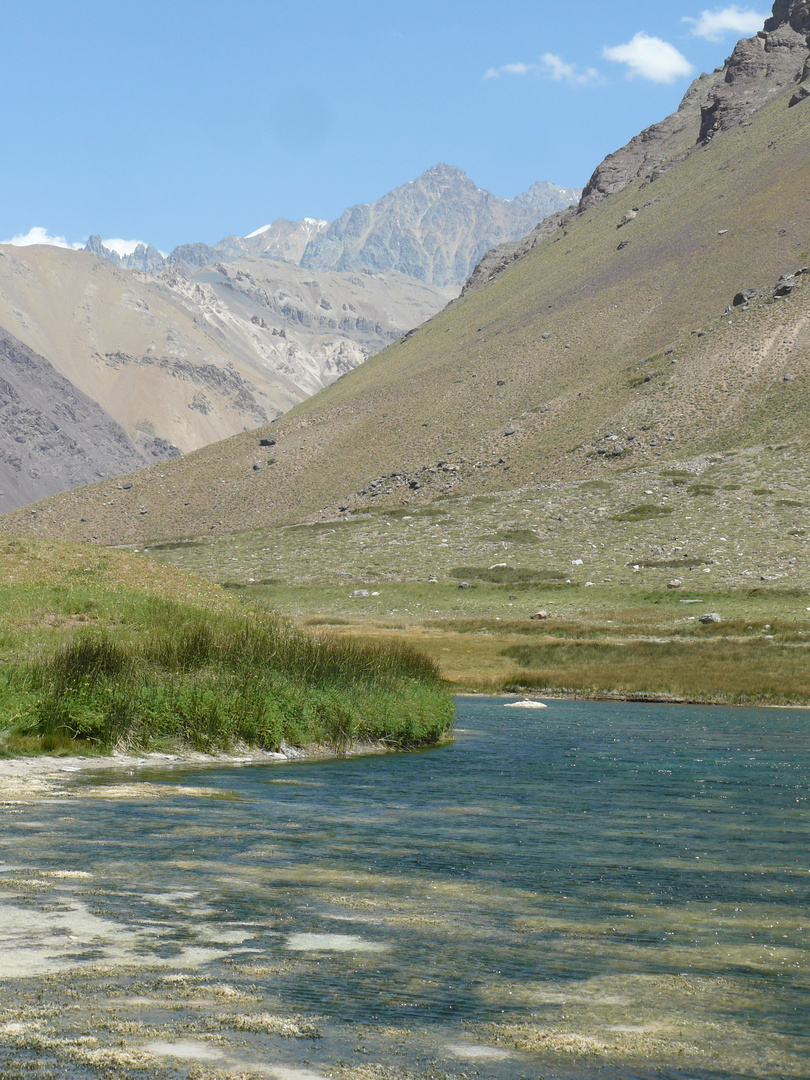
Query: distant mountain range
{"points": [[658, 329], [434, 229], [178, 352]]}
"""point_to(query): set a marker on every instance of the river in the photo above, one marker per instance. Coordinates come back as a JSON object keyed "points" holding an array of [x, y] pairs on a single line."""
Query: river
{"points": [[592, 890]]}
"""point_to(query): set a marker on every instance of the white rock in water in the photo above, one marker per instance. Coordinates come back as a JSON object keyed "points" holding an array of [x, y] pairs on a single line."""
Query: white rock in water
{"points": [[525, 704]]}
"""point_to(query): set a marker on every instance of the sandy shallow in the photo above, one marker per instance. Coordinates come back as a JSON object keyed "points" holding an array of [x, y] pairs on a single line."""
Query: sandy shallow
{"points": [[27, 778]]}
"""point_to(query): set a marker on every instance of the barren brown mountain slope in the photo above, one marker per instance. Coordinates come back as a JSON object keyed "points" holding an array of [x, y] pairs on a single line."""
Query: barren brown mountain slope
{"points": [[612, 344], [193, 361]]}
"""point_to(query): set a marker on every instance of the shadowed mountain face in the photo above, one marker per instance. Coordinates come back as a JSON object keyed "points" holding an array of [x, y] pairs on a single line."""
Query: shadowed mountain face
{"points": [[54, 437], [667, 321]]}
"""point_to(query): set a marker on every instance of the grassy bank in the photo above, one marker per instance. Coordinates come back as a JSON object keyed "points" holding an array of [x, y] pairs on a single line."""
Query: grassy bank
{"points": [[98, 651], [596, 642]]}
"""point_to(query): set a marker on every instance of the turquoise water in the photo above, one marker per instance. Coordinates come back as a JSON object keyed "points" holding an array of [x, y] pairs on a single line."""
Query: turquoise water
{"points": [[594, 890]]}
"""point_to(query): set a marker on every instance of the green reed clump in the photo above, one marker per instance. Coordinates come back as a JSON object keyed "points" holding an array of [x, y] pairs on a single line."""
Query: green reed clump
{"points": [[211, 681]]}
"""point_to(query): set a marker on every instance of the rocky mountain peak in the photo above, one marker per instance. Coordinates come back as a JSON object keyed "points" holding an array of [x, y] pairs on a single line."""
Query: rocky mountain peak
{"points": [[774, 59], [435, 228], [792, 13], [446, 174]]}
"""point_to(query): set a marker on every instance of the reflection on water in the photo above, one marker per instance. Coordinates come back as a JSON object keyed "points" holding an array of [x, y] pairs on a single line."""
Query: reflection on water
{"points": [[593, 890]]}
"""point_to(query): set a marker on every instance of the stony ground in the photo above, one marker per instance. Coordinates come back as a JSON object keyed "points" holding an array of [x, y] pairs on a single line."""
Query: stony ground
{"points": [[737, 520]]}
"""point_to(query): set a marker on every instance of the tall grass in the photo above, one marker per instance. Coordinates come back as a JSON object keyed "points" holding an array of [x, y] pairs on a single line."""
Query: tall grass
{"points": [[712, 670], [213, 681]]}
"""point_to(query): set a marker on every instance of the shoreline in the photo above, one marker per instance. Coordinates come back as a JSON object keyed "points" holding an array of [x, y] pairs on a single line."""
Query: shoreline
{"points": [[629, 698], [42, 776]]}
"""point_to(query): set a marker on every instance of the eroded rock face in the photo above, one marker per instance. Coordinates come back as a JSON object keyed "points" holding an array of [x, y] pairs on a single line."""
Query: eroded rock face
{"points": [[663, 144], [759, 67], [793, 13]]}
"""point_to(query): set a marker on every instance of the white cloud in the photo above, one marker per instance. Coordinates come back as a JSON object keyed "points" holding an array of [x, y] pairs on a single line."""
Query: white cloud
{"points": [[651, 58], [714, 25], [560, 71], [122, 247], [510, 69], [553, 66], [38, 235]]}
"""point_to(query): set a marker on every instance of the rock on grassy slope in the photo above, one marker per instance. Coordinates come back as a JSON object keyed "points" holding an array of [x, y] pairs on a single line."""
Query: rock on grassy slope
{"points": [[613, 343]]}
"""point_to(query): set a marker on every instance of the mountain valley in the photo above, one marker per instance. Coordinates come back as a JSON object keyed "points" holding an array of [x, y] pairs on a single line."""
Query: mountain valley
{"points": [[185, 351], [617, 402], [614, 343]]}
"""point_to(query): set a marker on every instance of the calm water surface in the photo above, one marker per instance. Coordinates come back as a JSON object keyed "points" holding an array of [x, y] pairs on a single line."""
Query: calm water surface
{"points": [[595, 890]]}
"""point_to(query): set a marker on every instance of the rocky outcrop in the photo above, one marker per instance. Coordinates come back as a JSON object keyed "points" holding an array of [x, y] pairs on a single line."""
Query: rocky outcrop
{"points": [[792, 13], [758, 68], [435, 228], [145, 257], [655, 148], [776, 58], [188, 258], [52, 436]]}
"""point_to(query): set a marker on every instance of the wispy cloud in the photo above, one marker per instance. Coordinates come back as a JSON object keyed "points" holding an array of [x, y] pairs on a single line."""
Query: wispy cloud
{"points": [[714, 25], [651, 58], [556, 68], [38, 235], [550, 65], [510, 69]]}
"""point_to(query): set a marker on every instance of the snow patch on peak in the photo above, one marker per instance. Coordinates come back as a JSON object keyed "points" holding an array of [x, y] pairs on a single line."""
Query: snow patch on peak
{"points": [[306, 224]]}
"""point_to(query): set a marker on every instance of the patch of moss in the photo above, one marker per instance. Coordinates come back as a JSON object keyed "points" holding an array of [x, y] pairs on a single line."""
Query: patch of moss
{"points": [[643, 512]]}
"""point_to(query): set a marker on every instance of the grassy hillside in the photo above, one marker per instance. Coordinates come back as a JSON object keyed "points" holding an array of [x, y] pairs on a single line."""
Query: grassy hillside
{"points": [[599, 557], [103, 650], [598, 432], [574, 343]]}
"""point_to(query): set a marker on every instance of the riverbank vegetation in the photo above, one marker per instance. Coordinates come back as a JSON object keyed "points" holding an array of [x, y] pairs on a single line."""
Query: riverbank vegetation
{"points": [[599, 642], [624, 588], [102, 650]]}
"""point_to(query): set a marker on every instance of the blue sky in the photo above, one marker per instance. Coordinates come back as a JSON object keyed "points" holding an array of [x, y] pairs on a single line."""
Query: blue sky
{"points": [[179, 121]]}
